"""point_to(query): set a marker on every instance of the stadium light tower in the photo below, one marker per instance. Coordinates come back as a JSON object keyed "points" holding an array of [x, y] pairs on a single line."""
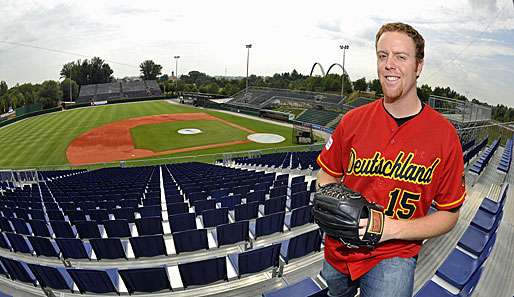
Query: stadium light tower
{"points": [[176, 73], [344, 48], [248, 47]]}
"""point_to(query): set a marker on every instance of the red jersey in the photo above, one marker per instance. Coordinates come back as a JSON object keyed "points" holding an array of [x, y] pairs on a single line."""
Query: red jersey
{"points": [[403, 168]]}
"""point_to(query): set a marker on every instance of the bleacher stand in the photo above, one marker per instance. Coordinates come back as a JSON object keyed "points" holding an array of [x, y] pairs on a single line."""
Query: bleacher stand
{"points": [[117, 90], [506, 159], [318, 117], [482, 162]]}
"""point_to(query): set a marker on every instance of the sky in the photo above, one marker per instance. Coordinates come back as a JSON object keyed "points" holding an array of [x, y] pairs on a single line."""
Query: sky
{"points": [[469, 43]]}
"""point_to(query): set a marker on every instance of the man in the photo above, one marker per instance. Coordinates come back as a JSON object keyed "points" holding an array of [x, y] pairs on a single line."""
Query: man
{"points": [[402, 155]]}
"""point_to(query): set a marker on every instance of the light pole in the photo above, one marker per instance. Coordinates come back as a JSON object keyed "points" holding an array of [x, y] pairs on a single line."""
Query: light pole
{"points": [[176, 73], [248, 47], [344, 48], [71, 94]]}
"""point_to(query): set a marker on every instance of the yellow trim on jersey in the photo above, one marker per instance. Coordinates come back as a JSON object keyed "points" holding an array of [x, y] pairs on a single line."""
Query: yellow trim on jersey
{"points": [[451, 203], [325, 167]]}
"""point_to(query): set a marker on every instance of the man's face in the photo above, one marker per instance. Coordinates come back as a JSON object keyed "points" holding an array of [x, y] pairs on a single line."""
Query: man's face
{"points": [[397, 66]]}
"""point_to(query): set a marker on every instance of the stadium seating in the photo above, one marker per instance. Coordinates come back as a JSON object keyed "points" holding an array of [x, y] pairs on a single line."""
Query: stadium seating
{"points": [[115, 90], [317, 116], [506, 158], [261, 97], [482, 162]]}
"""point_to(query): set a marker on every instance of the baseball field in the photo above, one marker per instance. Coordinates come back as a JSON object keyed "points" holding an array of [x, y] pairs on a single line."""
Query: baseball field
{"points": [[128, 131]]}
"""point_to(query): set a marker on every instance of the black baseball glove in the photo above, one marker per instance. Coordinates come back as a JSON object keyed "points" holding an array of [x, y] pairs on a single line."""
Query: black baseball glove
{"points": [[337, 210]]}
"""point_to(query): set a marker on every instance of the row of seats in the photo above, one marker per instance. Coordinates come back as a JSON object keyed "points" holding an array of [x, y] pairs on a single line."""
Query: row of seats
{"points": [[185, 236], [482, 162], [464, 265], [292, 160], [164, 277], [318, 116], [506, 159], [468, 155], [467, 145]]}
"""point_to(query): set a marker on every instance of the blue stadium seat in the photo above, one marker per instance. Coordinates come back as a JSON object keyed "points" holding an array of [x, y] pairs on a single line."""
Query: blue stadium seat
{"points": [[150, 211], [190, 240], [458, 267], [248, 211], [87, 229], [73, 248], [117, 228], [109, 248], [301, 245], [149, 226], [133, 203], [202, 205], [148, 246], [18, 243], [3, 242], [299, 217], [43, 246], [431, 289], [267, 225], [124, 213], [182, 222], [256, 260], [75, 215], [203, 272], [230, 201], [278, 191], [177, 208], [146, 280], [40, 228], [299, 187], [18, 270], [494, 207], [474, 240], [215, 217], [273, 205], [297, 179], [298, 199], [98, 215], [62, 229], [257, 196], [20, 226], [52, 277], [232, 233], [95, 281], [486, 221]]}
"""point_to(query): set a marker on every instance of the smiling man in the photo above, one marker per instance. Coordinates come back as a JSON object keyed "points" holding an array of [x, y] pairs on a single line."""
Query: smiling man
{"points": [[403, 155]]}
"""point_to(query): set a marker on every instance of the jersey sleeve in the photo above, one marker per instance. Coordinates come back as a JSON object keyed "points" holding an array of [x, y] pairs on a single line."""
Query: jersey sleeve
{"points": [[330, 158], [452, 189]]}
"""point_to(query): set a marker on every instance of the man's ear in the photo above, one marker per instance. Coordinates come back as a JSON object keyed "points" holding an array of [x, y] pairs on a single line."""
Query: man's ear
{"points": [[419, 67]]}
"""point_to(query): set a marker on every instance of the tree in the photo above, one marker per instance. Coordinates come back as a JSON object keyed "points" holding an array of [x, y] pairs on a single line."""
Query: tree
{"points": [[375, 86], [210, 88], [3, 88], [65, 88], [50, 93], [88, 72], [360, 85], [150, 70], [424, 92]]}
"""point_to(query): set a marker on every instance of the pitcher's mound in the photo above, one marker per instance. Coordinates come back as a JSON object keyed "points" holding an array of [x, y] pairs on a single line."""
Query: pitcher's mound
{"points": [[265, 138], [189, 131]]}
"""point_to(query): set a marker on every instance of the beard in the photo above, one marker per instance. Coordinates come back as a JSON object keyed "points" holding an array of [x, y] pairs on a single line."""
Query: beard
{"points": [[391, 94]]}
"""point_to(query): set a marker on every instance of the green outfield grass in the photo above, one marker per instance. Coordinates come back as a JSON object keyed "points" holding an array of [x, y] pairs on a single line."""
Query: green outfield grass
{"points": [[165, 136], [42, 141]]}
